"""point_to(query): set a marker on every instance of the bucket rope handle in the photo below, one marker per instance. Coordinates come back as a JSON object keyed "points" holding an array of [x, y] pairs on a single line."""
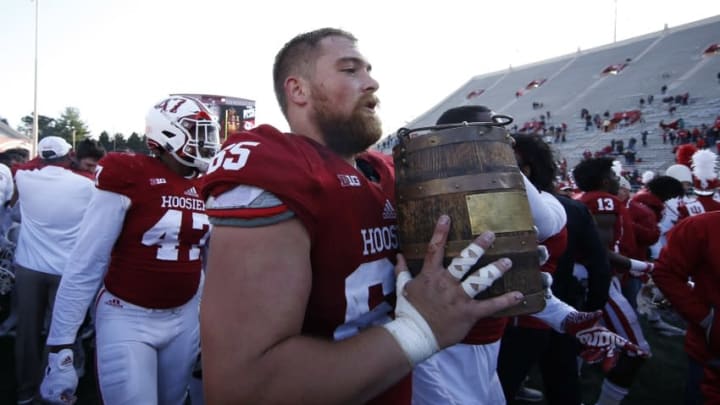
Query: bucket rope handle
{"points": [[498, 120]]}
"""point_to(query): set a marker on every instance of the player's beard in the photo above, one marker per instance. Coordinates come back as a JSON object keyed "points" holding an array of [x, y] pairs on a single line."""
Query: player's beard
{"points": [[345, 135]]}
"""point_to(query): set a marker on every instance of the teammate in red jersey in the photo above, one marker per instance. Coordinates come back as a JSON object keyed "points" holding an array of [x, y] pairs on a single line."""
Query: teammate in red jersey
{"points": [[300, 270], [690, 254], [599, 183], [142, 239]]}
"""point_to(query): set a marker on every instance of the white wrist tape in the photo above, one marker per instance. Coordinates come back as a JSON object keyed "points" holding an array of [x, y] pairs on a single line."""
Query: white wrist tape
{"points": [[640, 266], [410, 329], [416, 339], [554, 313]]}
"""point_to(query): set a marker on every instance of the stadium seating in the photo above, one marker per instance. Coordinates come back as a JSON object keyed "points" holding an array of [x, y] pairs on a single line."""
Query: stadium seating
{"points": [[674, 58]]}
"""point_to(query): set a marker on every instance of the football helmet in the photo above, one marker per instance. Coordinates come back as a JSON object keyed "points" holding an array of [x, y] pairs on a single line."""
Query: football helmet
{"points": [[184, 127]]}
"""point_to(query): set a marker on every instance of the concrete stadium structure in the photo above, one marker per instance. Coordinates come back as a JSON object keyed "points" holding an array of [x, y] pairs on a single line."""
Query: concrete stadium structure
{"points": [[608, 78]]}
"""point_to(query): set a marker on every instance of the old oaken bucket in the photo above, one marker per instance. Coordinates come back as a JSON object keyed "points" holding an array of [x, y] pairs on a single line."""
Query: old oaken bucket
{"points": [[469, 172]]}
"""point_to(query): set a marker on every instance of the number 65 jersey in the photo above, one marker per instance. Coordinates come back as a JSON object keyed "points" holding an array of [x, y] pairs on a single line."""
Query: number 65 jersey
{"points": [[156, 260], [350, 220]]}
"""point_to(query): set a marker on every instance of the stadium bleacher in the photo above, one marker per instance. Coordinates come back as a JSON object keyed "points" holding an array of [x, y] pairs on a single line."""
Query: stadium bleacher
{"points": [[674, 58]]}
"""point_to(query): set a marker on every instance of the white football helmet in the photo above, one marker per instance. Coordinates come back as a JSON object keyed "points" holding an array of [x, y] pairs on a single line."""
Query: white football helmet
{"points": [[184, 127]]}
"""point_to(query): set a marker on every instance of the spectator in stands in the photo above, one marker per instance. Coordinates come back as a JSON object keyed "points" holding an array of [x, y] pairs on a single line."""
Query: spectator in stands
{"points": [[47, 235], [663, 89], [650, 99], [606, 125], [629, 157], [643, 137]]}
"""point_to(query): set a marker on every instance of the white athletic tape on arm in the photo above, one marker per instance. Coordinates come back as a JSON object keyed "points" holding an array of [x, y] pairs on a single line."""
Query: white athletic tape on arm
{"points": [[480, 280], [468, 257], [554, 313], [410, 329], [638, 267]]}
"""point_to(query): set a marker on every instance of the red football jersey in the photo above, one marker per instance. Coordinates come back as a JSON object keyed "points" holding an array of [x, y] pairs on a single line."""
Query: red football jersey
{"points": [[603, 203], [156, 260], [645, 219], [690, 254], [351, 222]]}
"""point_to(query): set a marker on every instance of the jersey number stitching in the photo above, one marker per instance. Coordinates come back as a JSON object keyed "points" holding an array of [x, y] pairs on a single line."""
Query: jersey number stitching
{"points": [[605, 204], [166, 235], [358, 314], [232, 157]]}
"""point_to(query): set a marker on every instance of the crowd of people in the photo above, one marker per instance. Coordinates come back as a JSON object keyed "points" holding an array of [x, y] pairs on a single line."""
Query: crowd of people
{"points": [[267, 264]]}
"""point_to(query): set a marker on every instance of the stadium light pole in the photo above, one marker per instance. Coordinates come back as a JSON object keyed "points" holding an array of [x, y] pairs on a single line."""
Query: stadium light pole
{"points": [[35, 110], [615, 24]]}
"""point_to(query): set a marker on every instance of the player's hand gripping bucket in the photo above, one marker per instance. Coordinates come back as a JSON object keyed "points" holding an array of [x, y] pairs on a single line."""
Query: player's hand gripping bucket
{"points": [[469, 172]]}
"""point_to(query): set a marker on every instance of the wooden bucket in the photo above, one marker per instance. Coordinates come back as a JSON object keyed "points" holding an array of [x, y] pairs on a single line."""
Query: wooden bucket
{"points": [[468, 172]]}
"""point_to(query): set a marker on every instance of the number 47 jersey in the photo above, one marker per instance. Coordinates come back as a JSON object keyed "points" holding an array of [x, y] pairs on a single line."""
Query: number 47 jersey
{"points": [[156, 260]]}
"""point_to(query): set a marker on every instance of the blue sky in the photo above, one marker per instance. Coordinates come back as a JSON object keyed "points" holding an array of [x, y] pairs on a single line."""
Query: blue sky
{"points": [[112, 59]]}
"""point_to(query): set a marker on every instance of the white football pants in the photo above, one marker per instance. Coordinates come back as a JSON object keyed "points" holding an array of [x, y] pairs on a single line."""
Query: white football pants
{"points": [[457, 375], [145, 356]]}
